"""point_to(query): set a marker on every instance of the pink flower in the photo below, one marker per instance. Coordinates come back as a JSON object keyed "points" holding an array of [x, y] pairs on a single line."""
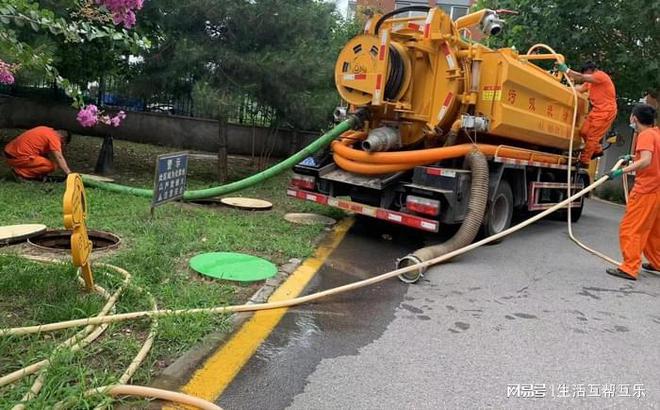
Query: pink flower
{"points": [[117, 119], [123, 11], [115, 122], [6, 77], [6, 74], [87, 116], [90, 115]]}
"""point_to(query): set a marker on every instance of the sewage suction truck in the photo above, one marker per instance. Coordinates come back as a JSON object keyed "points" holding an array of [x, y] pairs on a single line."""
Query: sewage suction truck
{"points": [[453, 132]]}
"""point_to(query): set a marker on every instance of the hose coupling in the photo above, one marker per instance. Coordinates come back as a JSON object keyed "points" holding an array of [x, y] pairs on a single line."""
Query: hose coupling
{"points": [[382, 139], [413, 276]]}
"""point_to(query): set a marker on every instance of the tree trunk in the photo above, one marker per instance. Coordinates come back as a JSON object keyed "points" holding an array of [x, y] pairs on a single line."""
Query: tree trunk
{"points": [[222, 146]]}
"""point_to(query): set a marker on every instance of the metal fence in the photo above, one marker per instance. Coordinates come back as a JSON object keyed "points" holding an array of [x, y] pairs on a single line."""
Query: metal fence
{"points": [[243, 110]]}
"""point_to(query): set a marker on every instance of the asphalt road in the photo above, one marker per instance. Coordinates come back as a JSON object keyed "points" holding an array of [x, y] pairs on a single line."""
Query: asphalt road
{"points": [[532, 316]]}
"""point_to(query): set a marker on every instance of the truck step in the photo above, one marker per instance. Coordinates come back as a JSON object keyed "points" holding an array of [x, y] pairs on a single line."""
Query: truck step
{"points": [[379, 183], [430, 188]]}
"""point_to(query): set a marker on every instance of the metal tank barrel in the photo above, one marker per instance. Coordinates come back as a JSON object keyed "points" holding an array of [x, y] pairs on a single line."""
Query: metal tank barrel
{"points": [[424, 76]]}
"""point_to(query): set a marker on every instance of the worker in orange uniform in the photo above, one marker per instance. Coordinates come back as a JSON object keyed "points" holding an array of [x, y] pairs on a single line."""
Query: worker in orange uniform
{"points": [[28, 153], [602, 95], [640, 228]]}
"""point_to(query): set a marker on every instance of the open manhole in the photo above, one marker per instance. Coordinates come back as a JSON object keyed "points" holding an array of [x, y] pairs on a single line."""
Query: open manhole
{"points": [[60, 240]]}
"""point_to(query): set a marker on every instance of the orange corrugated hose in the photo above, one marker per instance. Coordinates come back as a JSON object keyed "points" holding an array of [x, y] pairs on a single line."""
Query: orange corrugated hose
{"points": [[362, 162]]}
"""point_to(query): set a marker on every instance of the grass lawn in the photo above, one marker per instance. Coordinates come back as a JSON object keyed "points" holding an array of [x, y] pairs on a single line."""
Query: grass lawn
{"points": [[155, 251]]}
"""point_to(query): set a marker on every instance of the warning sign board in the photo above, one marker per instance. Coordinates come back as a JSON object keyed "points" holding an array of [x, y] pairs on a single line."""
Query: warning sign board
{"points": [[171, 178], [492, 93]]}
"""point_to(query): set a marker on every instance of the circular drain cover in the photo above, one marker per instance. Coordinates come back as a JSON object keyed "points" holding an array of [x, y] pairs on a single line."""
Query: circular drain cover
{"points": [[16, 233], [233, 266], [247, 203], [309, 219]]}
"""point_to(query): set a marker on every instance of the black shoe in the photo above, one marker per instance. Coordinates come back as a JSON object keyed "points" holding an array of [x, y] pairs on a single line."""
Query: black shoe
{"points": [[619, 273], [649, 268]]}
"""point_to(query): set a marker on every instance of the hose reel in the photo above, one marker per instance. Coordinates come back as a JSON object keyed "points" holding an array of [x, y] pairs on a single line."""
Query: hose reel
{"points": [[357, 76]]}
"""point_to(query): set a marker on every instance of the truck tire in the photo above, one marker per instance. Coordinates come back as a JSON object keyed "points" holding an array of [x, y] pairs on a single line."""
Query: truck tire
{"points": [[499, 211]]}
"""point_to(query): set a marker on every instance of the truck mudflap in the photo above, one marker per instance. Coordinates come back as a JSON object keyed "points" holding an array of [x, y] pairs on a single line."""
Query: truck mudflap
{"points": [[401, 218]]}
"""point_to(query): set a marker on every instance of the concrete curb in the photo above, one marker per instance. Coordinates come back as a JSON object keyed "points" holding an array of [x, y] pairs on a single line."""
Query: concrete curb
{"points": [[183, 367], [176, 374]]}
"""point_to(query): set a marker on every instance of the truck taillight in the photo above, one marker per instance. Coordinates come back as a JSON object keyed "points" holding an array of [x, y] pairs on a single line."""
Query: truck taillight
{"points": [[423, 205], [303, 181]]}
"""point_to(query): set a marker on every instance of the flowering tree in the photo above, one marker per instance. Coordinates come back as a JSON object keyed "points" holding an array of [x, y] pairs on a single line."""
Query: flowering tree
{"points": [[23, 23]]}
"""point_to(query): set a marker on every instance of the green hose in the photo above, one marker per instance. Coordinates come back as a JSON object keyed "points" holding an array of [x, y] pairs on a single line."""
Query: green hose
{"points": [[315, 146]]}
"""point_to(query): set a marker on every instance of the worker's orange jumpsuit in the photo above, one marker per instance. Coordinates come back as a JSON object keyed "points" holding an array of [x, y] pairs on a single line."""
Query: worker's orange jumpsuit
{"points": [[26, 154], [602, 95], [640, 228]]}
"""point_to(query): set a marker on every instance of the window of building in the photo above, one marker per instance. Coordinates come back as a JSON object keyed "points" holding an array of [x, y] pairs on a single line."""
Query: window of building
{"points": [[400, 4], [458, 11], [454, 11]]}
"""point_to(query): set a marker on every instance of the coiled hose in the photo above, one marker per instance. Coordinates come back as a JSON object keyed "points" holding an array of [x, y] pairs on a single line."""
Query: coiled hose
{"points": [[476, 162]]}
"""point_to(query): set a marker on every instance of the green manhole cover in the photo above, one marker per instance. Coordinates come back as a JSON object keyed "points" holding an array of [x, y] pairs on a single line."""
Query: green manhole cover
{"points": [[233, 266]]}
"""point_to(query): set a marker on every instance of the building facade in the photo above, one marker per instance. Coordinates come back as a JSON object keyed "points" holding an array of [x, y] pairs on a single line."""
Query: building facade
{"points": [[454, 8]]}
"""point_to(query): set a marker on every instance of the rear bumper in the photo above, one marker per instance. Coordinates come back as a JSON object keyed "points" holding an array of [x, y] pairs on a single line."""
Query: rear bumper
{"points": [[400, 218]]}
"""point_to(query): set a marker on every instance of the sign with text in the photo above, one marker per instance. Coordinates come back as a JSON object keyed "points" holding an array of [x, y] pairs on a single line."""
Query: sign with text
{"points": [[170, 181]]}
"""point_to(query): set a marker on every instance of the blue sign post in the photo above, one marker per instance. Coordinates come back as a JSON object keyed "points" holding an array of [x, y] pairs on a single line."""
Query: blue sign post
{"points": [[171, 178]]}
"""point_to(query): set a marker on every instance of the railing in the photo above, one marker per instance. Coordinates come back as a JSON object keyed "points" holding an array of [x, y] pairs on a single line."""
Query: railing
{"points": [[242, 110]]}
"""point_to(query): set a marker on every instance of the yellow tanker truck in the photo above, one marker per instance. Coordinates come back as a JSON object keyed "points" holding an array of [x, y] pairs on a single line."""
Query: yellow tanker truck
{"points": [[453, 132]]}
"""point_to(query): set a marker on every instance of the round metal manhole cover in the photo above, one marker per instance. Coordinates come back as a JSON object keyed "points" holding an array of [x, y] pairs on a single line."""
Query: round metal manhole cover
{"points": [[309, 219], [60, 240], [250, 204], [17, 233], [236, 267]]}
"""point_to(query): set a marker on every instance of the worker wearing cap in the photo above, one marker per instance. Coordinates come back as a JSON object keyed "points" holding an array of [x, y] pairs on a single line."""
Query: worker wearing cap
{"points": [[602, 95], [640, 228], [28, 153]]}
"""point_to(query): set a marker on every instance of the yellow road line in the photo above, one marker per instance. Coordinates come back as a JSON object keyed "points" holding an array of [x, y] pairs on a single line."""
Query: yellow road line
{"points": [[220, 369]]}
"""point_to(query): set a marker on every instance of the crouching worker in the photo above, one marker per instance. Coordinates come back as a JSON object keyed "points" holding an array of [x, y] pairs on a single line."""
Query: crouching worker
{"points": [[28, 153], [640, 228]]}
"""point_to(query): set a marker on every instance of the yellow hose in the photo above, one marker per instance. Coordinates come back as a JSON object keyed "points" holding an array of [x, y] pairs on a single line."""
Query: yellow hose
{"points": [[147, 393], [89, 334]]}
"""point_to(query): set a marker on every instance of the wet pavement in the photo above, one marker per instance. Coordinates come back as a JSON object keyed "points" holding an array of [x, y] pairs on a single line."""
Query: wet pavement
{"points": [[336, 327], [534, 314]]}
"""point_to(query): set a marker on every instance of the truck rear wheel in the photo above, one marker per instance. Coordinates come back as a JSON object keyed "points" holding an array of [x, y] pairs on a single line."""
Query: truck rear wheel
{"points": [[499, 211]]}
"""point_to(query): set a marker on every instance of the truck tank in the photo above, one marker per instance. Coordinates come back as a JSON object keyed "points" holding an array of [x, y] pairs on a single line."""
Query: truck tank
{"points": [[428, 87]]}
